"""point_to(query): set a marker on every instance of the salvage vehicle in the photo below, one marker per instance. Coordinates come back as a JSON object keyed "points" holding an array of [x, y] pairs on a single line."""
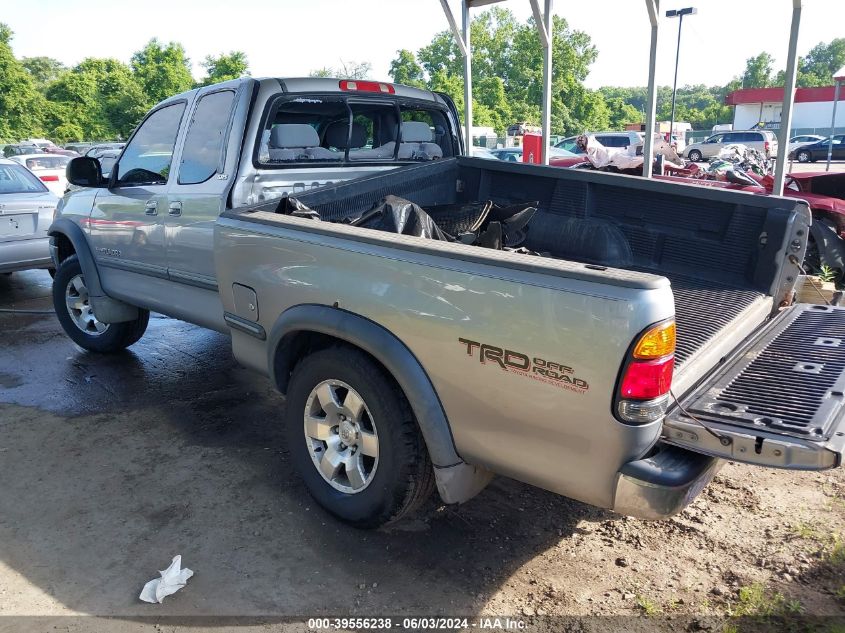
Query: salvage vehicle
{"points": [[433, 319], [763, 141], [26, 211]]}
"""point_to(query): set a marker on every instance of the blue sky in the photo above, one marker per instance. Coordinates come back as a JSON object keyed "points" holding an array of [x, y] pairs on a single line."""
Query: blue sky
{"points": [[291, 37]]}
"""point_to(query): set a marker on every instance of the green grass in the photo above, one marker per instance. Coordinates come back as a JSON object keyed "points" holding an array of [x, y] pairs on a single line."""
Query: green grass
{"points": [[647, 606], [806, 531], [836, 553], [755, 600]]}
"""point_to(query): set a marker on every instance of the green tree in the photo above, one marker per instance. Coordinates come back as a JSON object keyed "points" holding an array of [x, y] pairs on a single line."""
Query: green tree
{"points": [[346, 70], [43, 70], [162, 70], [98, 99], [21, 105], [225, 67], [620, 113], [404, 69], [325, 71], [758, 71], [507, 72], [817, 68]]}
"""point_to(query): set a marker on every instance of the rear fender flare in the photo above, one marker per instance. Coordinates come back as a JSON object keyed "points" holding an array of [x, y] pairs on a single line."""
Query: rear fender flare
{"points": [[382, 345]]}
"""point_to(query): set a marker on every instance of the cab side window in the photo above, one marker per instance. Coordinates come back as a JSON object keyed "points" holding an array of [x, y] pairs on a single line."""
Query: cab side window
{"points": [[206, 138], [146, 159]]}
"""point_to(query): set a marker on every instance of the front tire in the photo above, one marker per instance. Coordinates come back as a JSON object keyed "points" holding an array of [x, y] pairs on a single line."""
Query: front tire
{"points": [[73, 309], [695, 156], [353, 438]]}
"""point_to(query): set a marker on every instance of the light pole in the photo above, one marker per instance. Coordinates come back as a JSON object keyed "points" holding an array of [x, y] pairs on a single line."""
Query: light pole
{"points": [[838, 80], [677, 13]]}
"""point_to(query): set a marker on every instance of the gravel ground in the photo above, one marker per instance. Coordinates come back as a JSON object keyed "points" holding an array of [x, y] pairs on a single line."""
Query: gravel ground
{"points": [[113, 464]]}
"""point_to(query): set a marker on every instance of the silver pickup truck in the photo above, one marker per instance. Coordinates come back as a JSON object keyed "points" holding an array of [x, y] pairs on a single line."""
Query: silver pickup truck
{"points": [[614, 348]]}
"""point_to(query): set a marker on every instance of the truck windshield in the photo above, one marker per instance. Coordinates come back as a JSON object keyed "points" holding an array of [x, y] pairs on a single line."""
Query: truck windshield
{"points": [[340, 129]]}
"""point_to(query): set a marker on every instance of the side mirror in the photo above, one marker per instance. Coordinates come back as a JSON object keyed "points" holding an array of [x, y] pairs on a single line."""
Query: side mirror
{"points": [[85, 171]]}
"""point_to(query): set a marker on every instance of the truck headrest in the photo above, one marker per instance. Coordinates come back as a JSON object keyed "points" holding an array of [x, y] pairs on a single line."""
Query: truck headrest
{"points": [[415, 132], [288, 135]]}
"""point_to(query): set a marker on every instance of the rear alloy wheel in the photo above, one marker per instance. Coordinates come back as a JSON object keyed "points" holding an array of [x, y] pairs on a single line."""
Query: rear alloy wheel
{"points": [[353, 438], [695, 156], [341, 436], [803, 157], [72, 303]]}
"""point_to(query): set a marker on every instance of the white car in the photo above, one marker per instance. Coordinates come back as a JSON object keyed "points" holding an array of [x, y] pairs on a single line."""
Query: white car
{"points": [[26, 210], [50, 169]]}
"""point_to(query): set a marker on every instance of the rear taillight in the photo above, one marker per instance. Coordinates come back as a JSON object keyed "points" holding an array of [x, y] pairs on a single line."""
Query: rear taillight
{"points": [[367, 86], [766, 146], [49, 178], [647, 376]]}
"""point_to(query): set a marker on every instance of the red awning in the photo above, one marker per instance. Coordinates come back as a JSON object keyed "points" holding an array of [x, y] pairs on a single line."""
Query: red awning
{"points": [[775, 95]]}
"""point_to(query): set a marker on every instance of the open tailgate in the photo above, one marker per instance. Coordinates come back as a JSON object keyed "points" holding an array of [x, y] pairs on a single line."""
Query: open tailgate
{"points": [[779, 402]]}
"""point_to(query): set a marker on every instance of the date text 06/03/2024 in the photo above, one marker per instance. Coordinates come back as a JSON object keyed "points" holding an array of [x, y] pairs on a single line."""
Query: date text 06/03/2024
{"points": [[417, 624]]}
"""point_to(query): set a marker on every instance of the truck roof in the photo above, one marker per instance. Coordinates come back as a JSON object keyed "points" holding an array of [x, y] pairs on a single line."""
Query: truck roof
{"points": [[330, 84]]}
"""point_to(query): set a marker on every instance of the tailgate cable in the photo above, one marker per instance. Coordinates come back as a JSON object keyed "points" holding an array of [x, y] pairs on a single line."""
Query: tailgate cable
{"points": [[724, 440], [794, 260]]}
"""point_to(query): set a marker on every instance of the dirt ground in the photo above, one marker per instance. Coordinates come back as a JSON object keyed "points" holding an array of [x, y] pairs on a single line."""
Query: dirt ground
{"points": [[111, 465]]}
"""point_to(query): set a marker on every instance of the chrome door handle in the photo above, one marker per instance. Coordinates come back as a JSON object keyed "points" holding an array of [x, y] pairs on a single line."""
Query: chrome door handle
{"points": [[175, 208], [151, 207]]}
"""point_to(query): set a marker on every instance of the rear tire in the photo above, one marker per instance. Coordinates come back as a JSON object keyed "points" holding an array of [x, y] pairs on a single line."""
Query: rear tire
{"points": [[695, 156], [803, 157], [73, 309], [343, 407]]}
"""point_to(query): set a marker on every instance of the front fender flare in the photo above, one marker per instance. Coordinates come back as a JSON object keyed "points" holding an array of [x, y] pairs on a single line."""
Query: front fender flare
{"points": [[107, 309], [72, 231]]}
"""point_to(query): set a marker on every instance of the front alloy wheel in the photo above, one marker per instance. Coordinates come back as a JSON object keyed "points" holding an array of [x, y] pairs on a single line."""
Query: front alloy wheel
{"points": [[341, 436], [804, 157], [79, 307]]}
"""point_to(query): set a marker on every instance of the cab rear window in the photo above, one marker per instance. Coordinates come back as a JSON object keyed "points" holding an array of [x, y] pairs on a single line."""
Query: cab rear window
{"points": [[338, 129]]}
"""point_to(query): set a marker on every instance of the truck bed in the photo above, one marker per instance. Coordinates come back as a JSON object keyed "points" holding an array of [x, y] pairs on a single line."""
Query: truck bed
{"points": [[704, 309], [722, 251]]}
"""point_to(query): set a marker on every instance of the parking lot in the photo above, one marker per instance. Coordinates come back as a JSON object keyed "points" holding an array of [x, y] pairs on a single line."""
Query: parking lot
{"points": [[113, 464]]}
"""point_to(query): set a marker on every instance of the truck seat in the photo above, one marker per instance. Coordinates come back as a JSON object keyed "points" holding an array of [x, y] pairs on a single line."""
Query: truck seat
{"points": [[298, 141], [417, 142], [337, 135]]}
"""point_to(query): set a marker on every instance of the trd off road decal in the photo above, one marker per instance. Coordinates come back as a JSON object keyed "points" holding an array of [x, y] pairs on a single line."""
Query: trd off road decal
{"points": [[536, 368]]}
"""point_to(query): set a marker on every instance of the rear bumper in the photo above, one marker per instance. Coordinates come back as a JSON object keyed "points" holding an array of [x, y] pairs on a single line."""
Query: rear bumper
{"points": [[662, 485], [25, 254]]}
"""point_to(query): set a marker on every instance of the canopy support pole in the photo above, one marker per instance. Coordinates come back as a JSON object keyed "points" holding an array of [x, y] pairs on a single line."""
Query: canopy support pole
{"points": [[543, 23], [462, 39], [788, 99], [837, 83], [467, 77], [653, 7]]}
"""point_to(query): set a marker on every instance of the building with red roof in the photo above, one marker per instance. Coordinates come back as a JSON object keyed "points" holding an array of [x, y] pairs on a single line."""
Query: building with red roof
{"points": [[761, 107]]}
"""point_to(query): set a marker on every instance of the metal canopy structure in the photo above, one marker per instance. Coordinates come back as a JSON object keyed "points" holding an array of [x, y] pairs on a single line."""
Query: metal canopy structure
{"points": [[543, 21]]}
